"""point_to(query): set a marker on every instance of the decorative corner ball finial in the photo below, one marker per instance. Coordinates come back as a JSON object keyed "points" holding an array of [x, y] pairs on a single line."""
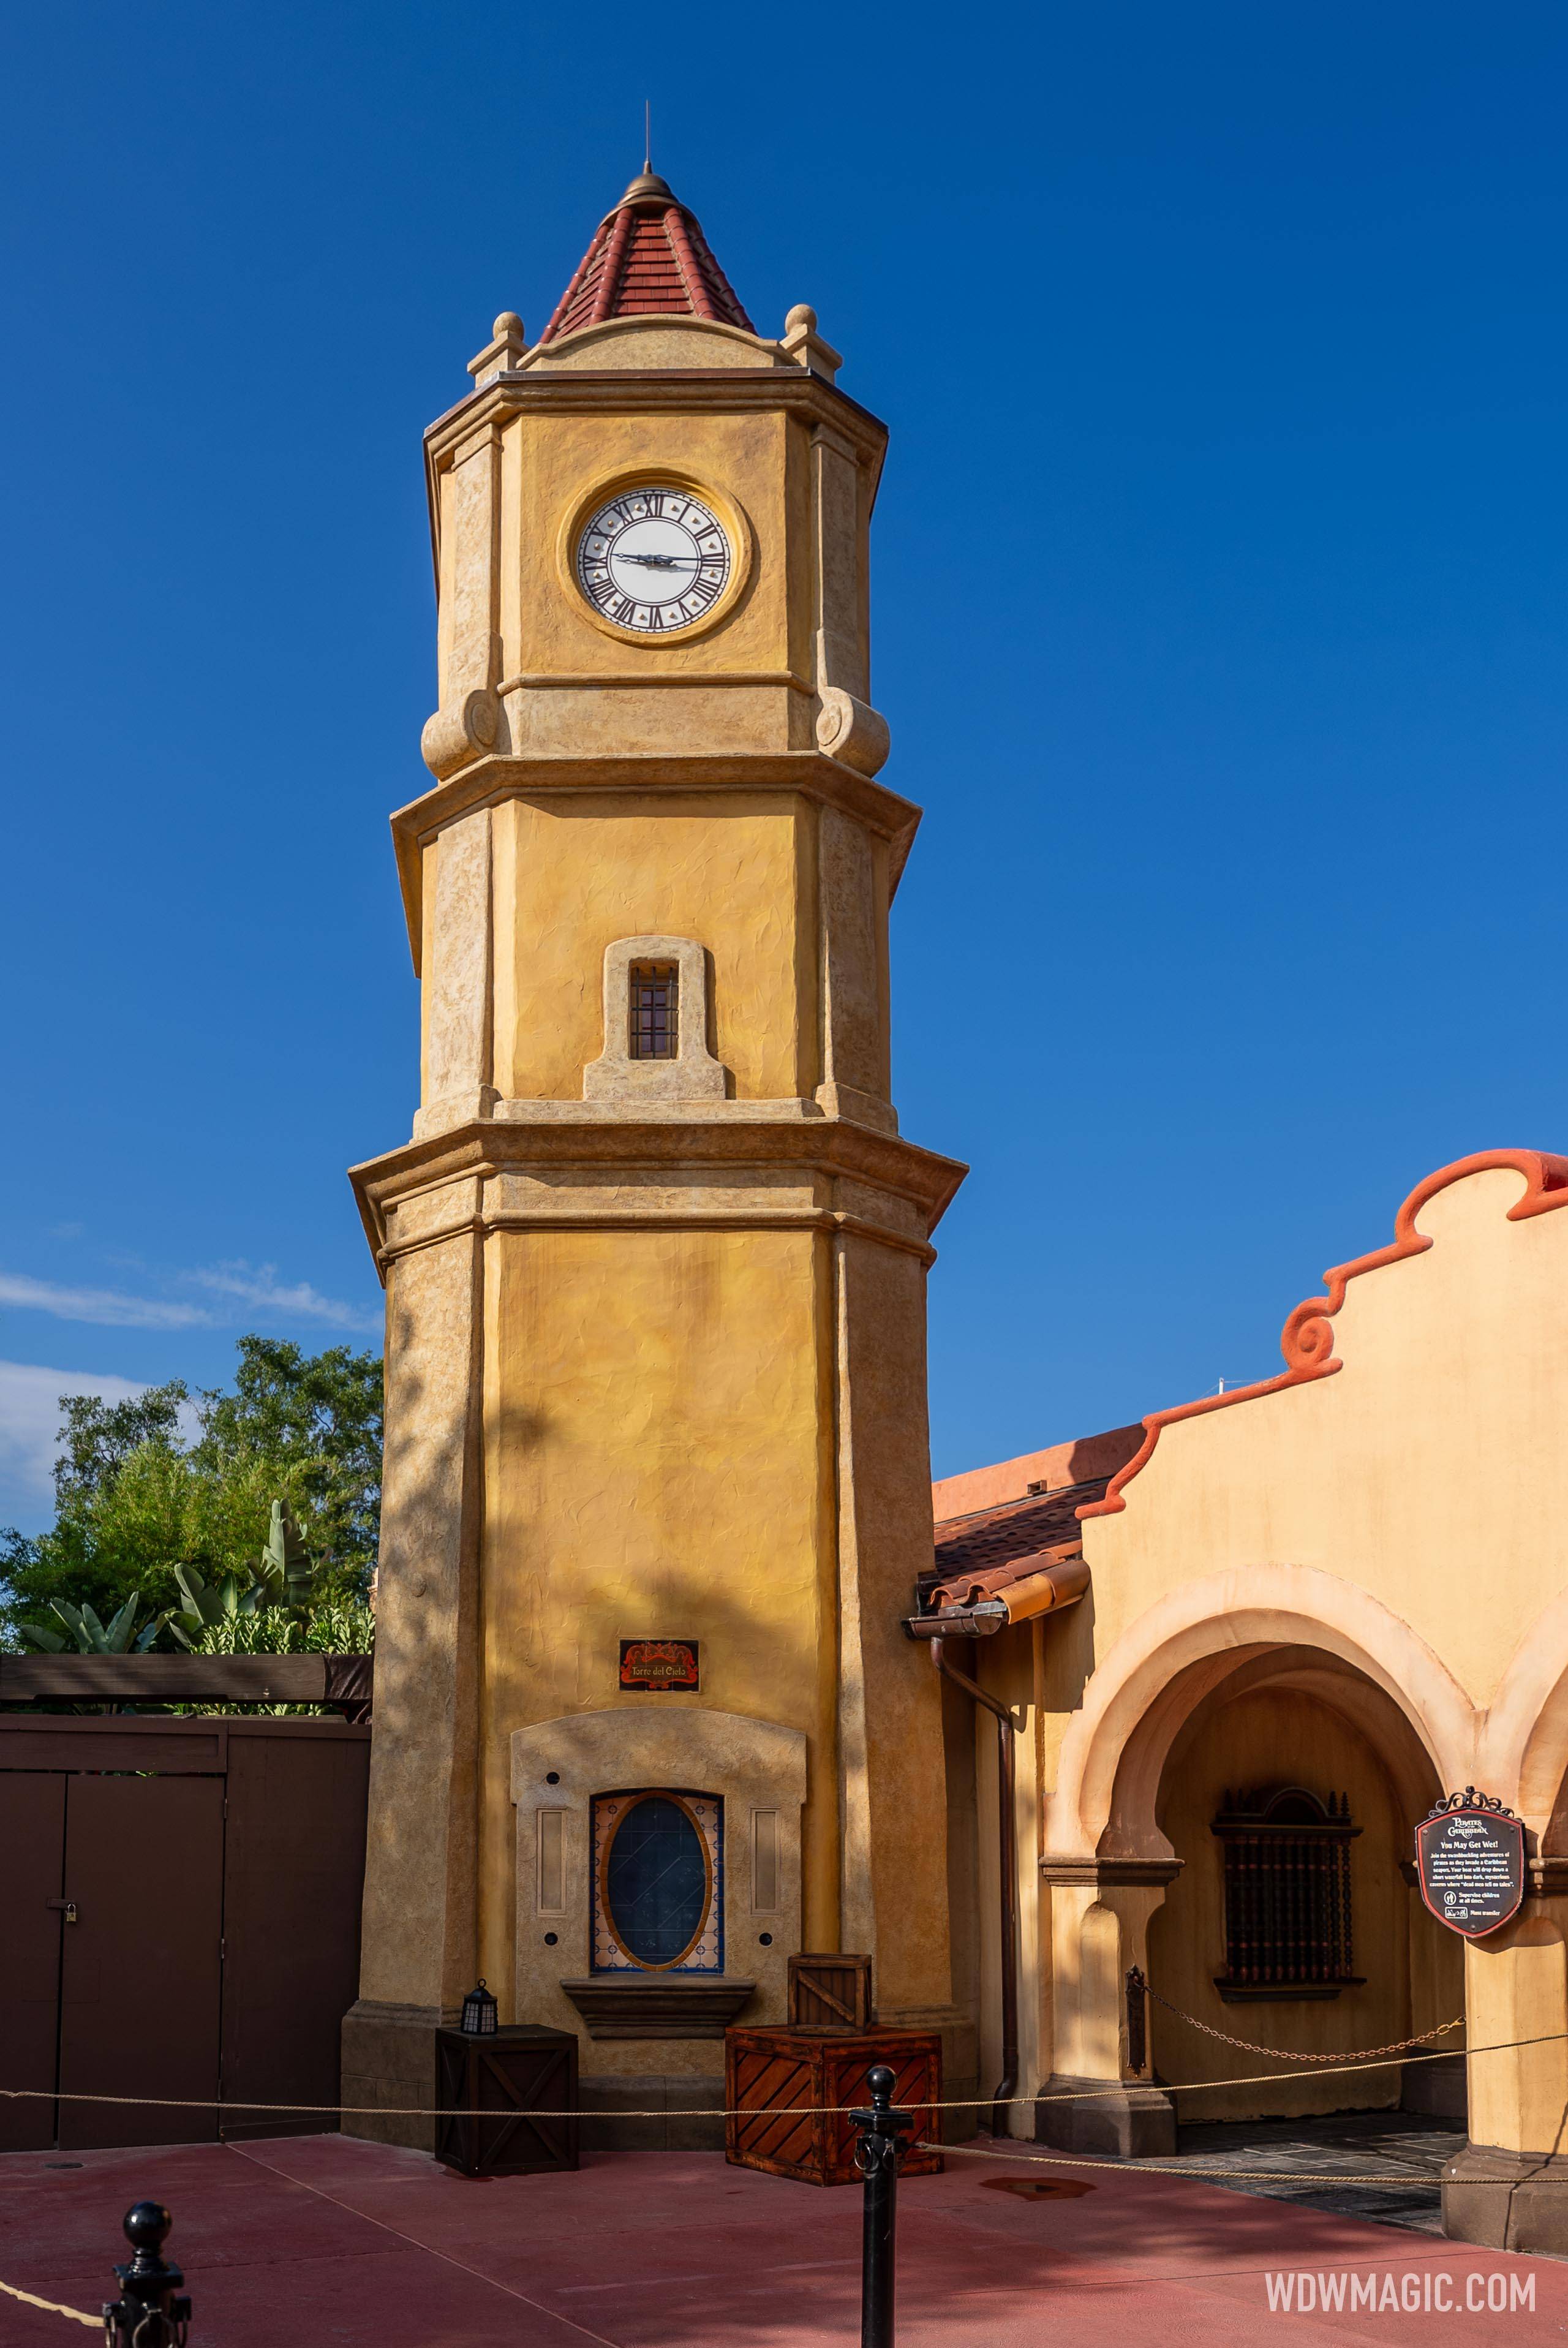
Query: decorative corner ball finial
{"points": [[506, 346], [802, 343]]}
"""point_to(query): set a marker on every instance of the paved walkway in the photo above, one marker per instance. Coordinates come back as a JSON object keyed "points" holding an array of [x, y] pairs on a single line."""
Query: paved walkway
{"points": [[1357, 2143], [324, 2242]]}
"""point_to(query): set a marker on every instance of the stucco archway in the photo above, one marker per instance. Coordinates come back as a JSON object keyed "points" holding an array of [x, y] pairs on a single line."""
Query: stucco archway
{"points": [[1193, 1642]]}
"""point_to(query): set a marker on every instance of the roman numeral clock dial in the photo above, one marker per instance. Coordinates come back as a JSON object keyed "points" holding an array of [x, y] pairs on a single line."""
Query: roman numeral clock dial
{"points": [[652, 560]]}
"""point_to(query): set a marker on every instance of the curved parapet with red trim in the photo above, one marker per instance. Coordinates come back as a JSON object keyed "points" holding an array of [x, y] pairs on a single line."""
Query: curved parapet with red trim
{"points": [[1307, 1338]]}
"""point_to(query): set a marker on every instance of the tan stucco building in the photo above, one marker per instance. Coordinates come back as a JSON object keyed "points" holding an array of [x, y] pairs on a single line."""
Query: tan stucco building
{"points": [[1280, 1622]]}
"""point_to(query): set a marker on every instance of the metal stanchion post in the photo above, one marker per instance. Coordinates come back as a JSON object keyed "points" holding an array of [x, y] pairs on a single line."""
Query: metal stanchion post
{"points": [[151, 2310], [1137, 2019], [881, 2130]]}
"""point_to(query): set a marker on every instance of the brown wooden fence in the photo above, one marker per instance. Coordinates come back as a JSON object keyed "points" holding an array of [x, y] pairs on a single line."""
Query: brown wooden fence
{"points": [[181, 1918]]}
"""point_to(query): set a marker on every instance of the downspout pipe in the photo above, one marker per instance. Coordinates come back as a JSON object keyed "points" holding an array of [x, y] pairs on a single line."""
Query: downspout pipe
{"points": [[1007, 1730]]}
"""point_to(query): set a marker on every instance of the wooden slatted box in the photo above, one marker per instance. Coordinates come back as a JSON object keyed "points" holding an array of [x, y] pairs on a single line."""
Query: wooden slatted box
{"points": [[499, 2088], [830, 1992], [768, 2072]]}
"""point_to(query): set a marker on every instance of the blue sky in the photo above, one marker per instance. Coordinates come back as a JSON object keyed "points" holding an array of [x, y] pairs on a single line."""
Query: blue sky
{"points": [[1220, 619]]}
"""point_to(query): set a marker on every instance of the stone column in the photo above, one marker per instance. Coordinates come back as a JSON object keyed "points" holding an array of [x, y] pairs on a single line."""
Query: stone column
{"points": [[1100, 1909], [851, 895], [469, 722], [419, 1919], [458, 989], [1509, 2186], [848, 727], [892, 1788]]}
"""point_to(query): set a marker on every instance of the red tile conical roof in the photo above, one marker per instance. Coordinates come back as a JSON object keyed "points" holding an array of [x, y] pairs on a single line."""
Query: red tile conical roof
{"points": [[648, 258]]}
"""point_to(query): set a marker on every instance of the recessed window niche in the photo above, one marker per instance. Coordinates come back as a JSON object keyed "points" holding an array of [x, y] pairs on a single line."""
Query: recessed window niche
{"points": [[656, 1015]]}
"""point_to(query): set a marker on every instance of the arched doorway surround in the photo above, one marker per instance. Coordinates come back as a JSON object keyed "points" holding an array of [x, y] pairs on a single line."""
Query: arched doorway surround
{"points": [[1109, 1861], [1188, 1643], [1107, 1858]]}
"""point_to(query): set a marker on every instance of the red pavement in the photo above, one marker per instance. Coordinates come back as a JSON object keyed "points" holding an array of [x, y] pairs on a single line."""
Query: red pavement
{"points": [[324, 2240]]}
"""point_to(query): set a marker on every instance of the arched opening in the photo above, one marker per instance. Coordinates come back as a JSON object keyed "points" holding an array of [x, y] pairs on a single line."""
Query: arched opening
{"points": [[1290, 1791]]}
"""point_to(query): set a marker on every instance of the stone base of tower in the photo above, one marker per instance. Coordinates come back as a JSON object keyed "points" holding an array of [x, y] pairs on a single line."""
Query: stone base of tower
{"points": [[389, 2073]]}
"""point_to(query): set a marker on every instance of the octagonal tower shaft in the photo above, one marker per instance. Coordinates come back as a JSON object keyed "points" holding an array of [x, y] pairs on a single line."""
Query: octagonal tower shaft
{"points": [[655, 1352]]}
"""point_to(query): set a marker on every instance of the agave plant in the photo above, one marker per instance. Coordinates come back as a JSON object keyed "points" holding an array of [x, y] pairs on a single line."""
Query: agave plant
{"points": [[119, 1636]]}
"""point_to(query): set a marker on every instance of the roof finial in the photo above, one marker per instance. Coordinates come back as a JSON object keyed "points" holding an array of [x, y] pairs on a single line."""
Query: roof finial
{"points": [[647, 135]]}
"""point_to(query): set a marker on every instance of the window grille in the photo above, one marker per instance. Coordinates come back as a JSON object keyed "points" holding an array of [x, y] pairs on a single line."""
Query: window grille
{"points": [[1288, 1930], [653, 1003]]}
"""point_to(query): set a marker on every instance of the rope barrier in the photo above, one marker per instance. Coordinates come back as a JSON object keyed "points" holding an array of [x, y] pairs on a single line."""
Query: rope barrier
{"points": [[745, 2111], [51, 2306]]}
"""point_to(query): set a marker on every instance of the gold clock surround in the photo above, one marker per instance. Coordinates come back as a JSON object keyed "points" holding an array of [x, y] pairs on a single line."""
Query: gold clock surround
{"points": [[732, 517]]}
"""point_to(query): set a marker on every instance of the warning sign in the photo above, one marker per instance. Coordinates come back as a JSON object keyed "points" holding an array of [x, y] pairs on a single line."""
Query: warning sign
{"points": [[1469, 1859]]}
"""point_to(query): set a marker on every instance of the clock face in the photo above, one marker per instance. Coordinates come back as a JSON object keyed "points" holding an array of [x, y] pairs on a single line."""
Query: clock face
{"points": [[652, 560]]}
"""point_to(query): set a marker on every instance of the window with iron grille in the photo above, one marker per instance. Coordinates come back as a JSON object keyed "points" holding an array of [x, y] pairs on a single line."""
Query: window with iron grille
{"points": [[1288, 1929], [654, 996]]}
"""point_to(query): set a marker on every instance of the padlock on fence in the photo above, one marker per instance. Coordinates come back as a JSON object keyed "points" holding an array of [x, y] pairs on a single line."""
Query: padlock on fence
{"points": [[153, 2310]]}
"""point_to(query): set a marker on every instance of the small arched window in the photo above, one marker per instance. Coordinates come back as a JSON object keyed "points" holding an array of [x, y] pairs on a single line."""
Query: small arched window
{"points": [[656, 1019], [658, 1882]]}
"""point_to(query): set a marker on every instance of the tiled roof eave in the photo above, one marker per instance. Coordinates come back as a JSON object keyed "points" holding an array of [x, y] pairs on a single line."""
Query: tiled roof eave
{"points": [[1015, 1530]]}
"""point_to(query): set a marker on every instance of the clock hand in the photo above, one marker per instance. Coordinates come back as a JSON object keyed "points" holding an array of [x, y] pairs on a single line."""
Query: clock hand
{"points": [[661, 562]]}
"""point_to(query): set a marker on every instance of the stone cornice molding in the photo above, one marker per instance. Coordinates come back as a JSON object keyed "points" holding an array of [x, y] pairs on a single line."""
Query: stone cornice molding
{"points": [[1108, 1874], [620, 391], [490, 781], [472, 1161]]}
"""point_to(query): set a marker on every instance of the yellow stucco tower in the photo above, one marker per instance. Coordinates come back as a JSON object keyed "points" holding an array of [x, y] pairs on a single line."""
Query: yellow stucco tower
{"points": [[656, 1477]]}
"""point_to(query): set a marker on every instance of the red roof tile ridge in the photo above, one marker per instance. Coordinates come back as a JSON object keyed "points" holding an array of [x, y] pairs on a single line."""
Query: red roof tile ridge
{"points": [[647, 258]]}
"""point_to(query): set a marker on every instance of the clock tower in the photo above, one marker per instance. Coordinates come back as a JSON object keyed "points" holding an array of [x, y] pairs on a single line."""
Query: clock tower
{"points": [[656, 1477]]}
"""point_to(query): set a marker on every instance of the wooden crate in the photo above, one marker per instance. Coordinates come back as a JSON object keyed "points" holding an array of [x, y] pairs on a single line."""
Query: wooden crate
{"points": [[499, 2086], [830, 1992], [768, 2071]]}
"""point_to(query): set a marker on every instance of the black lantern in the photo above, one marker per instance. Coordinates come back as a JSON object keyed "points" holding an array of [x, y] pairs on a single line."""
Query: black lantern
{"points": [[479, 2012]]}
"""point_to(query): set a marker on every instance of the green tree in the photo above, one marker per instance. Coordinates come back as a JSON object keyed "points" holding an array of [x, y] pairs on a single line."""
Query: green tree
{"points": [[170, 1480]]}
